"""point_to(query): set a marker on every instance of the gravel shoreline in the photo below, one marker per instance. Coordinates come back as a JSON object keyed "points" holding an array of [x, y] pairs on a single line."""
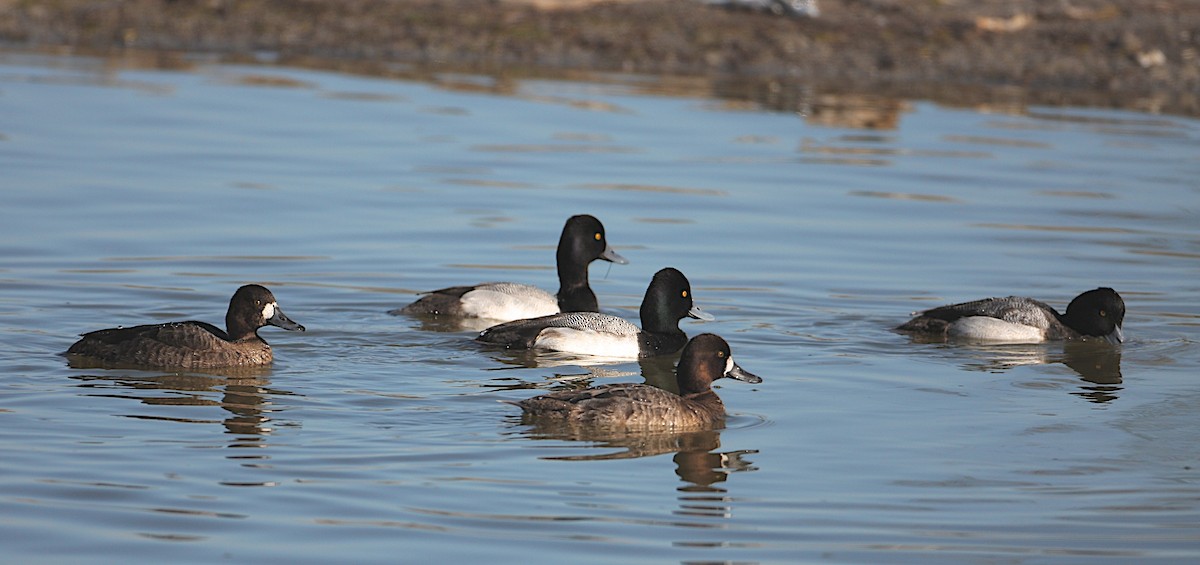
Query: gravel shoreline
{"points": [[1134, 54]]}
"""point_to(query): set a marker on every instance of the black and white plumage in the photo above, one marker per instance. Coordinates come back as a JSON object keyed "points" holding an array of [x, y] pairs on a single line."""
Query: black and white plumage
{"points": [[1096, 313], [668, 300], [631, 406], [582, 241], [191, 344]]}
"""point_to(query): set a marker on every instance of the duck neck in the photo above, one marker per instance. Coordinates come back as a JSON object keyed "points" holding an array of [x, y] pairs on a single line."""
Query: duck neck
{"points": [[656, 318], [1066, 319], [239, 330], [574, 294]]}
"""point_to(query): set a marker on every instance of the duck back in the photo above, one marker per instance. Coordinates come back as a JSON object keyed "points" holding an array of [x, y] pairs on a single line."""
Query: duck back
{"points": [[1012, 309], [628, 405], [187, 345]]}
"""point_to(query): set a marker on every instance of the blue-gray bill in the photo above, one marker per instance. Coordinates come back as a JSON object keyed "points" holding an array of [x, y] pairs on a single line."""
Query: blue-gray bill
{"points": [[697, 313], [279, 319], [613, 257], [736, 372]]}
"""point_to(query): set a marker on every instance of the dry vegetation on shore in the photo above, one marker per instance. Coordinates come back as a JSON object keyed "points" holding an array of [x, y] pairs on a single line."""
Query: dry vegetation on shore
{"points": [[1134, 53]]}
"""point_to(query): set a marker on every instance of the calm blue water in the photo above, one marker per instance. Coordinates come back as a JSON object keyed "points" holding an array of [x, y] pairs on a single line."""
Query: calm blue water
{"points": [[134, 195]]}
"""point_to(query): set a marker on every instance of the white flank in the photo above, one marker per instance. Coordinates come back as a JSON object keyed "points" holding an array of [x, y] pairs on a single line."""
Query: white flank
{"points": [[485, 303], [983, 328], [588, 342]]}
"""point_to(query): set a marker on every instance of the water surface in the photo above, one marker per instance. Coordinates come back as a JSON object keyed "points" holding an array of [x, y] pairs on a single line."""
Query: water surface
{"points": [[140, 195]]}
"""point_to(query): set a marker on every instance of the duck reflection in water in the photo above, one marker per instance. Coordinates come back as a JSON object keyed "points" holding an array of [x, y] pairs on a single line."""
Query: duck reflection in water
{"points": [[697, 461], [1097, 364], [643, 420], [631, 406], [243, 394]]}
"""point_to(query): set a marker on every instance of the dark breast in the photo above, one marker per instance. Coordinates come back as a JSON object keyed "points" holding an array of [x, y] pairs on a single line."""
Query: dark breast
{"points": [[655, 344], [183, 345]]}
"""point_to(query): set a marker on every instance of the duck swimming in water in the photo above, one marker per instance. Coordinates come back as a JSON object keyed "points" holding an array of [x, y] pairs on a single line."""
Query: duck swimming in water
{"points": [[191, 344], [635, 406], [582, 241], [668, 300], [1095, 314]]}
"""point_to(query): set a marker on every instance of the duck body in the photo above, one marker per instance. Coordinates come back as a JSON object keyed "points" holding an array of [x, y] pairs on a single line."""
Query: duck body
{"points": [[190, 344], [582, 241], [643, 407], [490, 300], [632, 405], [586, 333], [1095, 314], [668, 300], [187, 345]]}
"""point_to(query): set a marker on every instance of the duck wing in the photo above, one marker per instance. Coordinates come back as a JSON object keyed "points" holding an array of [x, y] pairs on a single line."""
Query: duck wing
{"points": [[613, 403], [150, 341], [1012, 309]]}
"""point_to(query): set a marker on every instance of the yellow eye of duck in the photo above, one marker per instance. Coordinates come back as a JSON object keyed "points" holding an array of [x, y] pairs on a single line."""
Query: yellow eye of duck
{"points": [[684, 293], [721, 354], [1103, 314], [598, 236]]}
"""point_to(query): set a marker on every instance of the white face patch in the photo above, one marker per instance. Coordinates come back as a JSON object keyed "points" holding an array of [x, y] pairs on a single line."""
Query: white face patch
{"points": [[269, 311], [728, 364]]}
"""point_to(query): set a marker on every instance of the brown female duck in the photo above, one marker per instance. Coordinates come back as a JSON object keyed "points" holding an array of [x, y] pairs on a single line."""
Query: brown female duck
{"points": [[191, 344], [631, 406]]}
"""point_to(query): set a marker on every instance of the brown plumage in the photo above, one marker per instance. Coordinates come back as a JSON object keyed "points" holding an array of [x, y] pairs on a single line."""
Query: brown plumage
{"points": [[631, 406], [191, 344]]}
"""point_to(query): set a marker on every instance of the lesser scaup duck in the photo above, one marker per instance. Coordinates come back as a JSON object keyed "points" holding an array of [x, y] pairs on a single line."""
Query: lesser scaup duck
{"points": [[705, 359], [191, 345], [582, 241], [1094, 314], [668, 300]]}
